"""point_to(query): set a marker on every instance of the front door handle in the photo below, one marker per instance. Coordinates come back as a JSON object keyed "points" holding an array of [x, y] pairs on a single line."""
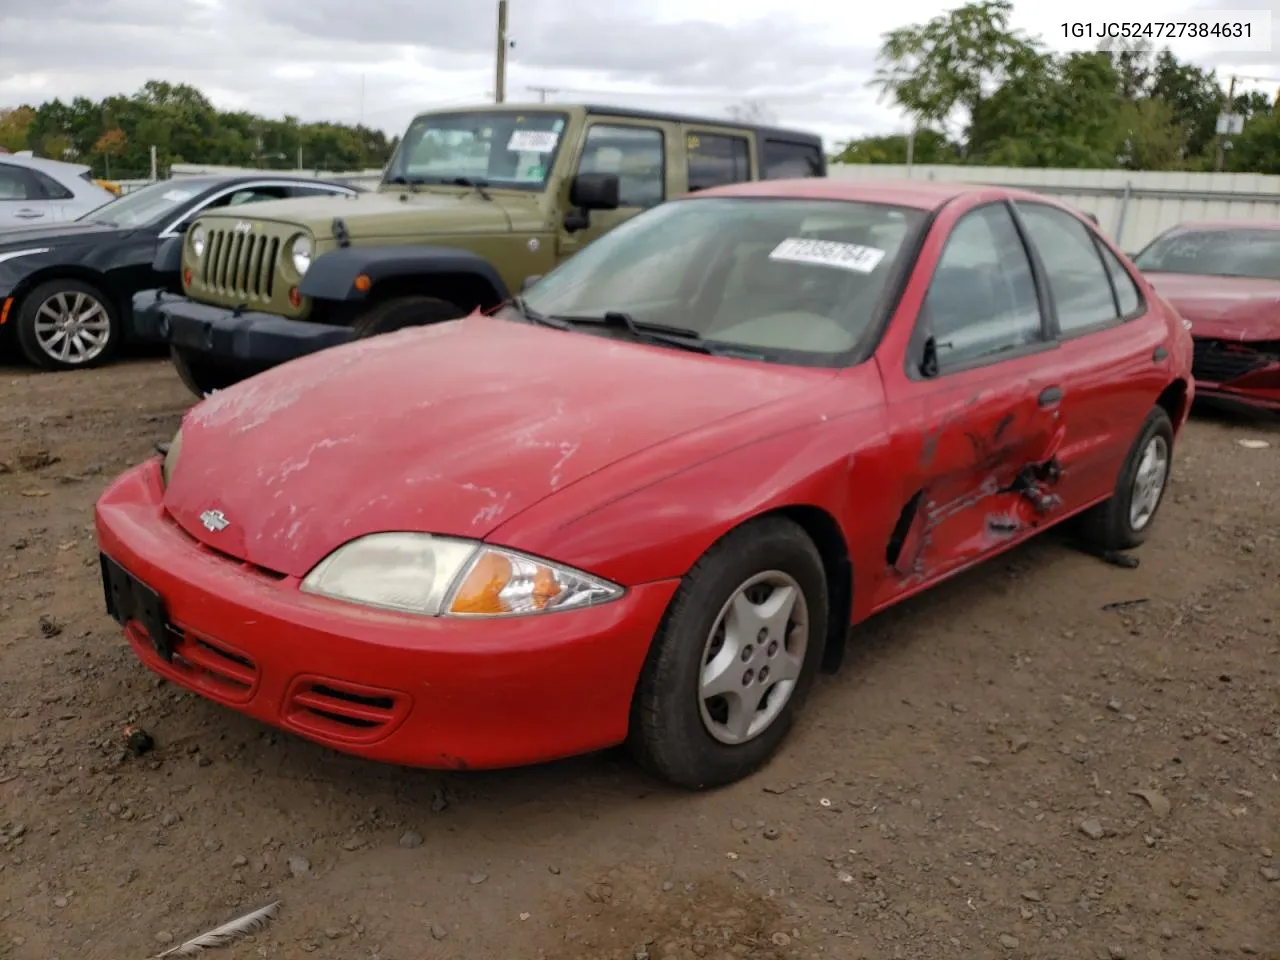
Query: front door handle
{"points": [[1050, 396], [29, 214]]}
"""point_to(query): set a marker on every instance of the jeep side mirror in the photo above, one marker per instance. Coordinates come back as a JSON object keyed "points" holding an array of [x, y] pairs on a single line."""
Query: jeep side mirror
{"points": [[595, 191], [529, 282]]}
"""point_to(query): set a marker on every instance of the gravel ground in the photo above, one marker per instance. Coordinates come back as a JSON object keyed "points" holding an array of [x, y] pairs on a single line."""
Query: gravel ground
{"points": [[1047, 757]]}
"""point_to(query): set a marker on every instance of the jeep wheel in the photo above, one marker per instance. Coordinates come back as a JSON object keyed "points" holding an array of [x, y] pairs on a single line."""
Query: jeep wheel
{"points": [[400, 312], [203, 376]]}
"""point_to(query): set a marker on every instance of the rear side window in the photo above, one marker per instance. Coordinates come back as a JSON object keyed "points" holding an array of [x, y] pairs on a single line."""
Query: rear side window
{"points": [[1078, 280], [786, 160], [717, 159], [16, 183], [1127, 293], [51, 188]]}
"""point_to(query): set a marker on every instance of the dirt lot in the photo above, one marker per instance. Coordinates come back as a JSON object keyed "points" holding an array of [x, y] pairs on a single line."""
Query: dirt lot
{"points": [[964, 788]]}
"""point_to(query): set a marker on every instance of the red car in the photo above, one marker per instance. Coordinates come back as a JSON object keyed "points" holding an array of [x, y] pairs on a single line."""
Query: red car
{"points": [[644, 502], [1224, 278]]}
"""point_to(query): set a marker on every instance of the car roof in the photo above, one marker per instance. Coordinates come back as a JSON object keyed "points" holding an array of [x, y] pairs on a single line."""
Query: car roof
{"points": [[45, 165], [920, 194]]}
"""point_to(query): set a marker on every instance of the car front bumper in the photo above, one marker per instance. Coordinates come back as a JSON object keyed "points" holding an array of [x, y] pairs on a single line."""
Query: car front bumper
{"points": [[417, 691], [250, 337], [1241, 372]]}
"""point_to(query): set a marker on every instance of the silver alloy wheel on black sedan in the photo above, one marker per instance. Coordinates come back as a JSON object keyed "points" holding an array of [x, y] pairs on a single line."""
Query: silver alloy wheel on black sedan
{"points": [[67, 324]]}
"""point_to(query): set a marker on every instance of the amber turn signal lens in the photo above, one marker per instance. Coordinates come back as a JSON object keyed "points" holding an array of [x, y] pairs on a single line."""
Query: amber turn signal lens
{"points": [[363, 283], [531, 585], [186, 277], [295, 298]]}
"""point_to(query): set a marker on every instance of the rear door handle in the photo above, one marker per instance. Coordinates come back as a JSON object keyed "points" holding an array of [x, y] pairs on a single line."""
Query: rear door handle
{"points": [[1050, 396], [29, 214]]}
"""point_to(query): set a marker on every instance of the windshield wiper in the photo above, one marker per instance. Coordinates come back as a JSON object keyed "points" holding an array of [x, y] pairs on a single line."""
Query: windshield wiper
{"points": [[402, 181], [477, 185], [521, 306], [681, 337]]}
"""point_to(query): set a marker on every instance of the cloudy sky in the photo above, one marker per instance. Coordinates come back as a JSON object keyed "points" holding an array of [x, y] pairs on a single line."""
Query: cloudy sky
{"points": [[382, 60]]}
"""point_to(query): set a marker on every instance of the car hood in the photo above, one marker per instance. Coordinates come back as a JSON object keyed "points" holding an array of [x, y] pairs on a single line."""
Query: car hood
{"points": [[371, 217], [1223, 308], [450, 429], [21, 238]]}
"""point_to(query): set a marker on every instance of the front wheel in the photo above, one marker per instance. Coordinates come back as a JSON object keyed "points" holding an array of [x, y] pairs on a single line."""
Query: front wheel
{"points": [[400, 312], [1124, 521], [203, 376], [733, 659], [68, 325]]}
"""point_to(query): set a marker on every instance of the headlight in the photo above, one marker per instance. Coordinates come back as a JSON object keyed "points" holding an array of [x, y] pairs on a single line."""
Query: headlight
{"points": [[171, 458], [442, 576], [301, 255], [197, 241]]}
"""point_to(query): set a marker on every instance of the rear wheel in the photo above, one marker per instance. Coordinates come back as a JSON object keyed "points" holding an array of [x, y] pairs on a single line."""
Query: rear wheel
{"points": [[1124, 521], [734, 658], [67, 324], [400, 312], [201, 375]]}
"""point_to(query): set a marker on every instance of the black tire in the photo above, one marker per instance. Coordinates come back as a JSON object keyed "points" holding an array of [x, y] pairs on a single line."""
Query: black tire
{"points": [[66, 291], [400, 312], [202, 376], [1108, 526], [667, 734]]}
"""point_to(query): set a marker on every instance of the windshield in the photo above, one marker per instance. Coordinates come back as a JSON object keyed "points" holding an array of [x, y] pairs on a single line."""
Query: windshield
{"points": [[143, 207], [502, 149], [1217, 253], [795, 281]]}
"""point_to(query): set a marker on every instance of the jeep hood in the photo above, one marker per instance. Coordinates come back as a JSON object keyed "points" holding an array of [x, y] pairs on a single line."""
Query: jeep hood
{"points": [[450, 429], [374, 217]]}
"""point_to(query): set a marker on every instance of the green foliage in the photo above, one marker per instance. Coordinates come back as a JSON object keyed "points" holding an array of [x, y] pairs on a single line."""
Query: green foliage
{"points": [[1124, 105], [184, 127]]}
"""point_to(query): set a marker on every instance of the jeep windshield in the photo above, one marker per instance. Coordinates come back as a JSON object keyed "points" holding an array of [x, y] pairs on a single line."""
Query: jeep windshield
{"points": [[501, 149], [790, 281]]}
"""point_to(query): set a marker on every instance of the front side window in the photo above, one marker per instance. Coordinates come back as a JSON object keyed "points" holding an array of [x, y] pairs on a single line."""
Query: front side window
{"points": [[1078, 279], [982, 297], [792, 281], [636, 154], [501, 149], [50, 187], [1228, 252], [716, 160]]}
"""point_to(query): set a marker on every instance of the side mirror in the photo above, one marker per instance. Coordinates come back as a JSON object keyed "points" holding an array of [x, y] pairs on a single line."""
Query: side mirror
{"points": [[529, 282], [182, 228], [595, 191]]}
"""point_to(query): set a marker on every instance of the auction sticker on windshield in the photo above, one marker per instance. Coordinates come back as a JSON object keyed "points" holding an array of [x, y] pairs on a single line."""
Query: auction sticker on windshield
{"points": [[828, 253], [533, 141]]}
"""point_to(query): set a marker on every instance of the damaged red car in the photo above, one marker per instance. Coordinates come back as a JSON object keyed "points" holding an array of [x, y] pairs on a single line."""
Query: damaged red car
{"points": [[646, 501], [1224, 278]]}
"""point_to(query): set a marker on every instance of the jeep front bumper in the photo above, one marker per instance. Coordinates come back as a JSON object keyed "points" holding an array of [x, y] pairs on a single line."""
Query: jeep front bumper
{"points": [[258, 339]]}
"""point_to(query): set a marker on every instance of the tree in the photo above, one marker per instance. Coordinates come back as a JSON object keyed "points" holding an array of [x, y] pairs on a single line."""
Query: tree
{"points": [[954, 61], [14, 125], [930, 147], [110, 144], [752, 112]]}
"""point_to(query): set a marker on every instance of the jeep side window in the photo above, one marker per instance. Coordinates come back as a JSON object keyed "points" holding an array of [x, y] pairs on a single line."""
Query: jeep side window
{"points": [[717, 159], [784, 160], [636, 154]]}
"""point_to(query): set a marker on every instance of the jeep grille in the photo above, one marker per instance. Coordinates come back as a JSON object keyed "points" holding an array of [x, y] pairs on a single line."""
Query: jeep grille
{"points": [[240, 264]]}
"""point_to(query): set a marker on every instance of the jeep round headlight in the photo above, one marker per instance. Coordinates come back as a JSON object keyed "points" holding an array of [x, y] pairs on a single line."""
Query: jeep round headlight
{"points": [[197, 241], [302, 255]]}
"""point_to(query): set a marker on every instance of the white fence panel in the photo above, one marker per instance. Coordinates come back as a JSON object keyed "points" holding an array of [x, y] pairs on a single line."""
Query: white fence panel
{"points": [[1132, 206]]}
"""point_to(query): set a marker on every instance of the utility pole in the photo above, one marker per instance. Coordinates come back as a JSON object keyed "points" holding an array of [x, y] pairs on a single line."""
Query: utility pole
{"points": [[500, 87], [1225, 119], [544, 92]]}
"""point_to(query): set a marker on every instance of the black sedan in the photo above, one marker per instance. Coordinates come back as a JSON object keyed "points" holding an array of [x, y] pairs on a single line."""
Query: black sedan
{"points": [[66, 290]]}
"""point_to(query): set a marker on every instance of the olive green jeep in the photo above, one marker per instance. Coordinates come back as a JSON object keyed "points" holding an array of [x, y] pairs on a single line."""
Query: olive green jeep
{"points": [[475, 204]]}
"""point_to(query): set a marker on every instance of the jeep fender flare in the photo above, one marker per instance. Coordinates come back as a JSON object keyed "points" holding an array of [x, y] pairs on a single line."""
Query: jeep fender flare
{"points": [[333, 275]]}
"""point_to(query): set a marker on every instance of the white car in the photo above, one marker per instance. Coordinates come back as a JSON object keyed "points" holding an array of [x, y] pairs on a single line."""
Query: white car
{"points": [[34, 191]]}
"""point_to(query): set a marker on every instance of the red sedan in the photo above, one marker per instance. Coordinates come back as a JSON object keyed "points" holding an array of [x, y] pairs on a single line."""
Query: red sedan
{"points": [[645, 502], [1224, 278]]}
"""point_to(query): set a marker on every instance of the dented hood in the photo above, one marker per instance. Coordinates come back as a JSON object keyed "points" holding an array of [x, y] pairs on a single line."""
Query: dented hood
{"points": [[450, 429], [1223, 308]]}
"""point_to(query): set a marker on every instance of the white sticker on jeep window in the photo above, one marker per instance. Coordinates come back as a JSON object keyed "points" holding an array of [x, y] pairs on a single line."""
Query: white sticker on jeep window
{"points": [[828, 253], [533, 141]]}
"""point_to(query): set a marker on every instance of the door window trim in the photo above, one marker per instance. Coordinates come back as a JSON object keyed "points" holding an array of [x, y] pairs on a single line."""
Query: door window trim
{"points": [[1119, 320], [1048, 331], [203, 205], [663, 173]]}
